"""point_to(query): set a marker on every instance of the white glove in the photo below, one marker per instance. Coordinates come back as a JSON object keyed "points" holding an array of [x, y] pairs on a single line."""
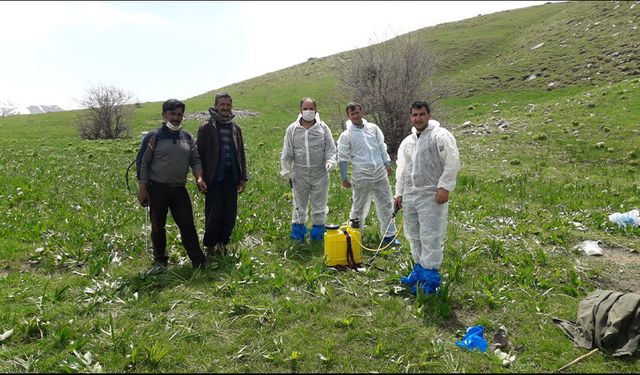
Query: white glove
{"points": [[329, 166], [286, 176]]}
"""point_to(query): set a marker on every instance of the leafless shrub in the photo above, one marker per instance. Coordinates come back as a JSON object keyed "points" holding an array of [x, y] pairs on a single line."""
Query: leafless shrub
{"points": [[106, 115], [386, 78]]}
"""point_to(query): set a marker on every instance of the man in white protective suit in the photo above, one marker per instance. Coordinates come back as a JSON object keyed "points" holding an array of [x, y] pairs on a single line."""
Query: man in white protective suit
{"points": [[308, 155], [427, 168], [362, 144]]}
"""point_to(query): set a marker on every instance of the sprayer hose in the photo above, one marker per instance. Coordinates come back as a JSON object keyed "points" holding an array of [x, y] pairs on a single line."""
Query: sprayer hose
{"points": [[380, 248]]}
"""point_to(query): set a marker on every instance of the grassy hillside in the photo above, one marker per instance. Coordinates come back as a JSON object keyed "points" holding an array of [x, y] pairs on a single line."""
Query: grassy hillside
{"points": [[541, 172], [584, 43]]}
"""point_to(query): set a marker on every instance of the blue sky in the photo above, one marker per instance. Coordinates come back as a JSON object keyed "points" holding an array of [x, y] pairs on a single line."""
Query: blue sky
{"points": [[54, 51]]}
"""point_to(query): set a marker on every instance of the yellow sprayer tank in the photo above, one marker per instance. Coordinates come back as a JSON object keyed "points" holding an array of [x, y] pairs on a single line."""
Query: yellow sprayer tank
{"points": [[335, 245]]}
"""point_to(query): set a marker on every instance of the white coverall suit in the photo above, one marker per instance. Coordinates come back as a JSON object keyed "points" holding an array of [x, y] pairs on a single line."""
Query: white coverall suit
{"points": [[307, 157], [366, 151], [425, 164]]}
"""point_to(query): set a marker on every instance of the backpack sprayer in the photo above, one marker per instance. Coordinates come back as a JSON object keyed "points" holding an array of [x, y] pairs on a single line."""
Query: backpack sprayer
{"points": [[343, 244]]}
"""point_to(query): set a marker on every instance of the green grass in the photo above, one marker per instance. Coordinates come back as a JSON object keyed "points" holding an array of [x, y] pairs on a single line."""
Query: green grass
{"points": [[72, 257]]}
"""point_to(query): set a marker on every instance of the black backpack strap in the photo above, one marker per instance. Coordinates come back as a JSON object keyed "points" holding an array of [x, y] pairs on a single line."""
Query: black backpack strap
{"points": [[149, 140]]}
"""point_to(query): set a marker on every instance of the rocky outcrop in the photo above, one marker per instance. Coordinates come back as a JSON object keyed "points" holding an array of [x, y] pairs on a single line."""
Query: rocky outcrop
{"points": [[204, 116]]}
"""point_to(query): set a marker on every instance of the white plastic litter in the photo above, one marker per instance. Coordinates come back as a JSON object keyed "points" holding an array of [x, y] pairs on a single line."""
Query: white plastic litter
{"points": [[590, 247], [6, 335], [507, 358], [628, 218]]}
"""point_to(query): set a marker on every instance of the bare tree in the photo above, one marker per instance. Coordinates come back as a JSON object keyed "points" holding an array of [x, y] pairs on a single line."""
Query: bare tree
{"points": [[106, 115], [386, 78]]}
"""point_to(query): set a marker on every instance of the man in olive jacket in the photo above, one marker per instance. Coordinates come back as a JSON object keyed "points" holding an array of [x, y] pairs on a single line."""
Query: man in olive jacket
{"points": [[224, 169]]}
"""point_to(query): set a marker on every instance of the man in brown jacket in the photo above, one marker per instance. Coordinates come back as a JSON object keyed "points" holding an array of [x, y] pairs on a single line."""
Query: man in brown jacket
{"points": [[224, 169]]}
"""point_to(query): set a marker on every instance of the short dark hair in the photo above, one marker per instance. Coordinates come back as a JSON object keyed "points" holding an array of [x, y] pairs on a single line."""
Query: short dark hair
{"points": [[352, 106], [172, 104], [221, 95], [420, 104], [309, 99]]}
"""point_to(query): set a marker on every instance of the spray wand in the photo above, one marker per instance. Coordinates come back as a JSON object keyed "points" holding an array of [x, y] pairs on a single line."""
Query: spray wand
{"points": [[395, 211]]}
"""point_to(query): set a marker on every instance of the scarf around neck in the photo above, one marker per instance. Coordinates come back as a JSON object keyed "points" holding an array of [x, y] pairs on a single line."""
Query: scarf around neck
{"points": [[216, 117]]}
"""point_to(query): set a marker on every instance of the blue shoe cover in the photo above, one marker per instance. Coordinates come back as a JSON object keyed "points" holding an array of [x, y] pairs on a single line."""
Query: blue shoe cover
{"points": [[298, 231], [394, 241], [317, 232], [473, 339], [426, 279], [426, 288], [413, 276], [430, 278]]}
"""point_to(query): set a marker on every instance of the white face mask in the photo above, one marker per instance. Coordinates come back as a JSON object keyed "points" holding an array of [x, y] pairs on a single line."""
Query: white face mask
{"points": [[308, 115], [174, 127]]}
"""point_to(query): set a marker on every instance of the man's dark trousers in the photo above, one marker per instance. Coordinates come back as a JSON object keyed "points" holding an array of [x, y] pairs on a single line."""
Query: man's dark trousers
{"points": [[162, 198], [221, 209]]}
